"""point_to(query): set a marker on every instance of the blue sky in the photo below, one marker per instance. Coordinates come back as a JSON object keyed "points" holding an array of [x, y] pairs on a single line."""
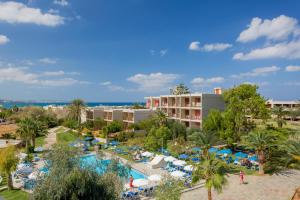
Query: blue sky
{"points": [[112, 50]]}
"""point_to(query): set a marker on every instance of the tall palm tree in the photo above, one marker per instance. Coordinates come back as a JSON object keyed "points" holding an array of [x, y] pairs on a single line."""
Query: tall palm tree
{"points": [[212, 171], [204, 140], [75, 109], [280, 113], [26, 130], [180, 89], [261, 142]]}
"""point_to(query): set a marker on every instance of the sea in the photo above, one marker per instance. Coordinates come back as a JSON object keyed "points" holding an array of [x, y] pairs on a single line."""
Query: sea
{"points": [[9, 104]]}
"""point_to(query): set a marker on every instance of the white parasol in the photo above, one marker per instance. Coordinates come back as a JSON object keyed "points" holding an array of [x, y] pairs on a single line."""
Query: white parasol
{"points": [[154, 177], [178, 174], [179, 163], [140, 182]]}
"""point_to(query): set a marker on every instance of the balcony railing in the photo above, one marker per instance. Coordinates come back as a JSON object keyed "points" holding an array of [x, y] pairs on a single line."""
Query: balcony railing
{"points": [[196, 117], [196, 104]]}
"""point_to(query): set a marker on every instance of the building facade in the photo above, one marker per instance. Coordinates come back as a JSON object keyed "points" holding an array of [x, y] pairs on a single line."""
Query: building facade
{"points": [[127, 116], [190, 109]]}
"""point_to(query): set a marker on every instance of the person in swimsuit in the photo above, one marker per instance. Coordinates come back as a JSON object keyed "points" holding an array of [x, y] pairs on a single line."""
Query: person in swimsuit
{"points": [[131, 182], [241, 177]]}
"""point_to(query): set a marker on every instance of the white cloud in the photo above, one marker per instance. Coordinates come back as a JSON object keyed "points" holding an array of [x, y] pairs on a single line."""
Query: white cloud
{"points": [[195, 46], [292, 68], [154, 81], [278, 28], [62, 82], [54, 73], [105, 83], [163, 52], [21, 75], [61, 2], [3, 39], [292, 83], [202, 82], [15, 12], [116, 88], [48, 60], [262, 71], [288, 50], [53, 11]]}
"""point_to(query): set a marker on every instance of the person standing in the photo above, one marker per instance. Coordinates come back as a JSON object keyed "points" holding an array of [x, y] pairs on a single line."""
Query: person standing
{"points": [[242, 176], [131, 182]]}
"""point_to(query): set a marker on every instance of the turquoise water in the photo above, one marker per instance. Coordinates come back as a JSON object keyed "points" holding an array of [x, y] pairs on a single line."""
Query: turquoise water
{"points": [[9, 104], [91, 160]]}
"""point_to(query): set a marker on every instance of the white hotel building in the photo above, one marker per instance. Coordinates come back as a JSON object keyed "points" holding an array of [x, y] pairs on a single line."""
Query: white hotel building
{"points": [[189, 109]]}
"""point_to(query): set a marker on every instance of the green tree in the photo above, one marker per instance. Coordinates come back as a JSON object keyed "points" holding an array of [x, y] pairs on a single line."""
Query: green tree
{"points": [[212, 171], [204, 140], [29, 129], [180, 89], [261, 141], [213, 122], [8, 163], [75, 109], [169, 189], [178, 129], [243, 104], [161, 118], [158, 137], [114, 127], [137, 106], [68, 179], [280, 113], [26, 131], [292, 148], [98, 123]]}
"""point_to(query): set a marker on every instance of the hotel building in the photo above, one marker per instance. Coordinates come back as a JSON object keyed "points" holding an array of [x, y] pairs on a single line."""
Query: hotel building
{"points": [[190, 109], [285, 104], [127, 116]]}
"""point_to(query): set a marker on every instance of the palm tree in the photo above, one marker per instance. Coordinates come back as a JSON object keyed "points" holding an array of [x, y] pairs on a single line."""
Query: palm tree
{"points": [[8, 163], [280, 113], [75, 109], [212, 171], [292, 147], [26, 130], [180, 89], [39, 128], [161, 118], [261, 142], [205, 140]]}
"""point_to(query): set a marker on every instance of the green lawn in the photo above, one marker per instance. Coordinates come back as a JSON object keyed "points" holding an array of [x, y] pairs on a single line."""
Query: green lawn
{"points": [[40, 141], [66, 137], [14, 195]]}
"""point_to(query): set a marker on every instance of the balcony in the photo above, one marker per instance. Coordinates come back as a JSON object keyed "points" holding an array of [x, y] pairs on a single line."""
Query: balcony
{"points": [[196, 104], [196, 117]]}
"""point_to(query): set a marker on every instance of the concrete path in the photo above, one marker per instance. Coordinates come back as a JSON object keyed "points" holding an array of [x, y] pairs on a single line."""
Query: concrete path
{"points": [[51, 137], [275, 187]]}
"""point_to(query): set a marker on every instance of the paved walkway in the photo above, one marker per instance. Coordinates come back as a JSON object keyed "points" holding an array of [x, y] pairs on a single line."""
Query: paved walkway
{"points": [[51, 137], [275, 187]]}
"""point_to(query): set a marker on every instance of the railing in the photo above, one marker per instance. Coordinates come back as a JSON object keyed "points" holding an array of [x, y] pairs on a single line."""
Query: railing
{"points": [[196, 117], [196, 104]]}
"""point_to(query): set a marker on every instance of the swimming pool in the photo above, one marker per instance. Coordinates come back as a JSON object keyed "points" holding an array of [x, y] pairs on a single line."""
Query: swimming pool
{"points": [[91, 160]]}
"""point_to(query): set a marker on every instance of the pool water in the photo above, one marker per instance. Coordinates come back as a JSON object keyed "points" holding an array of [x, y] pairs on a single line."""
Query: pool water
{"points": [[91, 160]]}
